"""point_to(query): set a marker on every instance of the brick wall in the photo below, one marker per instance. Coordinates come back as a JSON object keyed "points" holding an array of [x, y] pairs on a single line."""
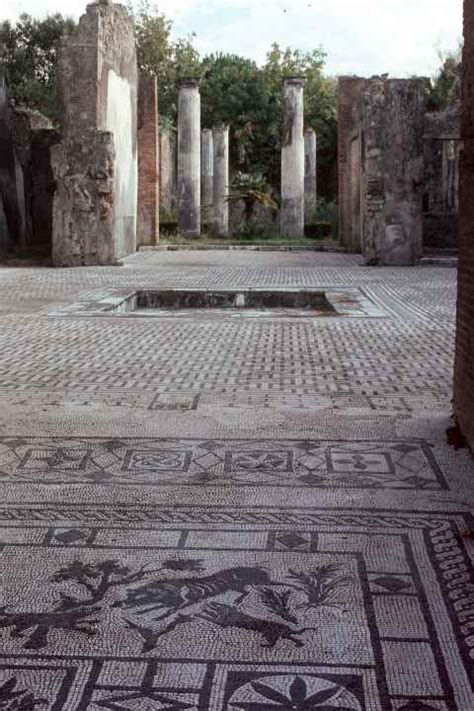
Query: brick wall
{"points": [[464, 362], [148, 163]]}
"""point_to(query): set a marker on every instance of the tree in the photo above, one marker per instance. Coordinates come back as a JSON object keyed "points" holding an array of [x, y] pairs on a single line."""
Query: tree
{"points": [[320, 97], [253, 190], [445, 89], [233, 91], [158, 55], [28, 54]]}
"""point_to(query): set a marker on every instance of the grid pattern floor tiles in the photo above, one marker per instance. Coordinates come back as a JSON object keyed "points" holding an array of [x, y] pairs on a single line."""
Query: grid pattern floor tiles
{"points": [[224, 514]]}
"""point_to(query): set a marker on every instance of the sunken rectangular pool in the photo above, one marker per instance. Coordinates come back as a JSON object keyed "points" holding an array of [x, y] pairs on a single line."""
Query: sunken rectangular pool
{"points": [[238, 299], [252, 302]]}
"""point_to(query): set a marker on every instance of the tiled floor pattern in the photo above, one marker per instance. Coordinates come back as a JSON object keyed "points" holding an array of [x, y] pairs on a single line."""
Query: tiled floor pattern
{"points": [[219, 514]]}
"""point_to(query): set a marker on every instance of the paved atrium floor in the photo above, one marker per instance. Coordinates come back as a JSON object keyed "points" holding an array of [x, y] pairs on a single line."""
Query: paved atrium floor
{"points": [[232, 511]]}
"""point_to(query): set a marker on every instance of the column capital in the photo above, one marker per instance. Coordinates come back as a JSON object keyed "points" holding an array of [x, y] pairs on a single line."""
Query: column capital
{"points": [[189, 83], [299, 82], [221, 127]]}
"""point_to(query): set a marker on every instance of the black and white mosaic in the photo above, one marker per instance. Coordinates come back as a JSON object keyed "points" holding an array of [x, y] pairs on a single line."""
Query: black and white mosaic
{"points": [[259, 512], [404, 464], [348, 611]]}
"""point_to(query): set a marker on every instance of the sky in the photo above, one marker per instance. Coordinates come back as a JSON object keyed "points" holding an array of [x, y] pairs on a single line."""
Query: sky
{"points": [[364, 37]]}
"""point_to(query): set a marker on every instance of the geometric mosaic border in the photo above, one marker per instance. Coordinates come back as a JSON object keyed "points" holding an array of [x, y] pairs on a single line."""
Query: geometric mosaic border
{"points": [[396, 464]]}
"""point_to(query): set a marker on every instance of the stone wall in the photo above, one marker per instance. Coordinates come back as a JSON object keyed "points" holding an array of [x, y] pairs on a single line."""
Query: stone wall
{"points": [[83, 208], [392, 171], [97, 77], [464, 359], [26, 179], [441, 149], [34, 138], [14, 232], [148, 163], [348, 148], [375, 185]]}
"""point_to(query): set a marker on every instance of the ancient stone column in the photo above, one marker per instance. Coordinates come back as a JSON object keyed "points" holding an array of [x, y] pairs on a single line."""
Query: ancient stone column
{"points": [[189, 159], [167, 171], [310, 184], [292, 161], [148, 163], [221, 180], [207, 172]]}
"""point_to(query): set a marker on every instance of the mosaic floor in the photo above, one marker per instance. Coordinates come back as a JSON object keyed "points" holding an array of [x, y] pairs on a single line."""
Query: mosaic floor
{"points": [[232, 513]]}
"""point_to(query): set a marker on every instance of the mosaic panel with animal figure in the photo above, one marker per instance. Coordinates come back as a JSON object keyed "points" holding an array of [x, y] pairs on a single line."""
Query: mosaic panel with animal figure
{"points": [[348, 610]]}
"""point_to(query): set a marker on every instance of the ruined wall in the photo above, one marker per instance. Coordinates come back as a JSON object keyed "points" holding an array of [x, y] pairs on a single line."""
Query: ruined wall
{"points": [[11, 181], [97, 76], [26, 180], [441, 149], [148, 163], [4, 235], [392, 171], [33, 137], [348, 149], [464, 359]]}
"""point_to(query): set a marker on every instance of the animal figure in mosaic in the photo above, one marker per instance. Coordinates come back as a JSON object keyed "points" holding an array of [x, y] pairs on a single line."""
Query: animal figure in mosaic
{"points": [[171, 596], [35, 626], [230, 616]]}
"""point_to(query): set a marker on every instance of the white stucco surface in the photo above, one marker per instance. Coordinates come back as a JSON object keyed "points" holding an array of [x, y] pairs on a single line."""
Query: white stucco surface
{"points": [[120, 111]]}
